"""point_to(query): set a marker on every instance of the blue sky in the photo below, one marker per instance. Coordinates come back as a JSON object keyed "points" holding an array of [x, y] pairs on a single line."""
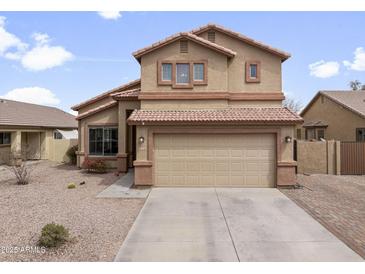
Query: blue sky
{"points": [[63, 58]]}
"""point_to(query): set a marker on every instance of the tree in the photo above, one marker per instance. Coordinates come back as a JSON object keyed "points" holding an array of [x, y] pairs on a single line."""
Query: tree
{"points": [[20, 169], [292, 104], [355, 85]]}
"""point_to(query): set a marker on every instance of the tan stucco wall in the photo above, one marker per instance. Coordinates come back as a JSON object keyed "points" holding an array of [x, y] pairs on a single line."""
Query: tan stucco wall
{"points": [[203, 104], [58, 149], [4, 153], [342, 123], [183, 104], [270, 66], [114, 116], [95, 105], [47, 149], [101, 101], [286, 148], [254, 103], [217, 67], [106, 117], [318, 157]]}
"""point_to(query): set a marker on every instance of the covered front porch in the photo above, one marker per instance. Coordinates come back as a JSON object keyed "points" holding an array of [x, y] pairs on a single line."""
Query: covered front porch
{"points": [[28, 144]]}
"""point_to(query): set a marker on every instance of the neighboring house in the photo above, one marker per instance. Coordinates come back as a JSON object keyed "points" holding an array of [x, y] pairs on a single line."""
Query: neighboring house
{"points": [[28, 130], [207, 111], [338, 115]]}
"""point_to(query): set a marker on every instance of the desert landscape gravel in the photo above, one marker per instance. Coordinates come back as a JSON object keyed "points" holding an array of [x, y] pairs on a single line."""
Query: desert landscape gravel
{"points": [[97, 226]]}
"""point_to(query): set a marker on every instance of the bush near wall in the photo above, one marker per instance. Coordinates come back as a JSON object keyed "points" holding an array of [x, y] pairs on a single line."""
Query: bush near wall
{"points": [[94, 166]]}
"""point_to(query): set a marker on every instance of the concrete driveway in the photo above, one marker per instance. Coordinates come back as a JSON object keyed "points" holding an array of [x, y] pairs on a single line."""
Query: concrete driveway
{"points": [[228, 224]]}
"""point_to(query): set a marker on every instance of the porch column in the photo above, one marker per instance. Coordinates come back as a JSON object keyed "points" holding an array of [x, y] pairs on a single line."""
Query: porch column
{"points": [[16, 146], [122, 161]]}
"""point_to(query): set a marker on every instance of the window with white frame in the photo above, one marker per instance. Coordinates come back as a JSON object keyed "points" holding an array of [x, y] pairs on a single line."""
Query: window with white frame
{"points": [[103, 141]]}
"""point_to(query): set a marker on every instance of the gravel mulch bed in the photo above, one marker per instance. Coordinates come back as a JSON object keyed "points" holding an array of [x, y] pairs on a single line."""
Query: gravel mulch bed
{"points": [[337, 202], [97, 226]]}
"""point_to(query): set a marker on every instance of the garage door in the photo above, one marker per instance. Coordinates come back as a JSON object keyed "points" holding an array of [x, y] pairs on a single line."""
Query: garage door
{"points": [[236, 160]]}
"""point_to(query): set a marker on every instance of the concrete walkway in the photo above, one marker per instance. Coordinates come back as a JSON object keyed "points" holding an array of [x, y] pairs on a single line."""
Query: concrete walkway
{"points": [[207, 224], [122, 188]]}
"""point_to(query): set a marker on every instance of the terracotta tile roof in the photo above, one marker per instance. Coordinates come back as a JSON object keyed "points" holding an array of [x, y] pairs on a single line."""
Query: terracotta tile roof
{"points": [[284, 55], [228, 115], [187, 35], [351, 100], [96, 110], [125, 95], [106, 94], [14, 113]]}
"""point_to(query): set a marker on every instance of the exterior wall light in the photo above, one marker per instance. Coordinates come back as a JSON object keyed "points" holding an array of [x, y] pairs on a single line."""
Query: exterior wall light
{"points": [[288, 139], [141, 140]]}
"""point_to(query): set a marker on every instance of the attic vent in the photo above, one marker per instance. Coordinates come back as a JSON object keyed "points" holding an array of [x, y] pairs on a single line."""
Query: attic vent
{"points": [[211, 36], [183, 46]]}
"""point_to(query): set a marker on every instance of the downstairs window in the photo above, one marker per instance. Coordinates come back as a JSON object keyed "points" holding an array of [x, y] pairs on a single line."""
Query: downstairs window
{"points": [[103, 141], [4, 138]]}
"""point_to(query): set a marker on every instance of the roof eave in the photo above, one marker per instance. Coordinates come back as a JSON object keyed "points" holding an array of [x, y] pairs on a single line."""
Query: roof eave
{"points": [[251, 123], [139, 53], [104, 95], [283, 55]]}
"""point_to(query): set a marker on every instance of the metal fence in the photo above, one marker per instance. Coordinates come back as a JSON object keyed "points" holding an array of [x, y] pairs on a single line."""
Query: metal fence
{"points": [[353, 158]]}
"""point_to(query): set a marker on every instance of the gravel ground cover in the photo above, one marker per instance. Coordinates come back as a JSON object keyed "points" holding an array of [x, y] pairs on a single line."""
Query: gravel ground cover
{"points": [[337, 202], [97, 226]]}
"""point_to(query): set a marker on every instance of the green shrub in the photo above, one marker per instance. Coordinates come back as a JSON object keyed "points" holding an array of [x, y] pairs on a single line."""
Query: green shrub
{"points": [[71, 185], [96, 166], [53, 235], [71, 154]]}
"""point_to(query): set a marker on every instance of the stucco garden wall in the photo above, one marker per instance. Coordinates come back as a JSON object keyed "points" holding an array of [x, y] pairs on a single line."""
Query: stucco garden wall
{"points": [[318, 157]]}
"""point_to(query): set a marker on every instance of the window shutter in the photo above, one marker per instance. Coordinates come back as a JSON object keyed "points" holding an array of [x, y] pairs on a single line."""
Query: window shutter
{"points": [[183, 46]]}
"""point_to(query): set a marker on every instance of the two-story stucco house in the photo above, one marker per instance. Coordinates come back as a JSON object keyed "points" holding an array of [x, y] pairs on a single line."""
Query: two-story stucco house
{"points": [[207, 111]]}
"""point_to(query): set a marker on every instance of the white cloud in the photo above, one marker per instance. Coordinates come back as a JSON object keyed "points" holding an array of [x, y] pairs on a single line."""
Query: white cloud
{"points": [[41, 56], [358, 62], [110, 15], [322, 69], [35, 95], [9, 42], [41, 38]]}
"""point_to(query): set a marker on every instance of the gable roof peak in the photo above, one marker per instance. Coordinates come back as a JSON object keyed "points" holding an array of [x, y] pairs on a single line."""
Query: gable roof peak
{"points": [[177, 36], [282, 54]]}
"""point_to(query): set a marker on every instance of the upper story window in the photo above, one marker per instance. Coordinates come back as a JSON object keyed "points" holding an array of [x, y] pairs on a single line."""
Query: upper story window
{"points": [[253, 71], [182, 74], [4, 138], [166, 72], [199, 72]]}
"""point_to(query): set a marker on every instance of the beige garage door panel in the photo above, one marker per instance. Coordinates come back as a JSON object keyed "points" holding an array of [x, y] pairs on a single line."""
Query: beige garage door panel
{"points": [[243, 160]]}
